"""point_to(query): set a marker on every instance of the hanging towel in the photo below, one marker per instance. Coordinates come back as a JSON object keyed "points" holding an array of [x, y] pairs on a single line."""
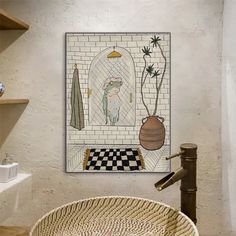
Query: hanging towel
{"points": [[77, 110]]}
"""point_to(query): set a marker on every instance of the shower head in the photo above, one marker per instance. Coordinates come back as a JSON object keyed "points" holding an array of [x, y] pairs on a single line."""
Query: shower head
{"points": [[114, 54]]}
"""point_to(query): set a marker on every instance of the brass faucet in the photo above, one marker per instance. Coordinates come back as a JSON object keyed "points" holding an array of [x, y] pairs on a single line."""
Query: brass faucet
{"points": [[188, 176]]}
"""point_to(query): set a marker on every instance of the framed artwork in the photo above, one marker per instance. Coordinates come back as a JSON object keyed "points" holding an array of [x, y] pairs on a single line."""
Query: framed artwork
{"points": [[118, 102]]}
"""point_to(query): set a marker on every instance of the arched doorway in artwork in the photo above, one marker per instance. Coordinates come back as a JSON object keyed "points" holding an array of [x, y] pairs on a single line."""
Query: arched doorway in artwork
{"points": [[112, 88]]}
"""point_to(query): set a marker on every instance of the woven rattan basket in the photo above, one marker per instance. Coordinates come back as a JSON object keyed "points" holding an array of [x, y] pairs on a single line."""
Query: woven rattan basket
{"points": [[114, 216]]}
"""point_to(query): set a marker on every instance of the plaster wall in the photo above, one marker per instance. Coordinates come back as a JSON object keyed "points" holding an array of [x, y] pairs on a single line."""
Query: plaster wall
{"points": [[229, 117], [32, 65]]}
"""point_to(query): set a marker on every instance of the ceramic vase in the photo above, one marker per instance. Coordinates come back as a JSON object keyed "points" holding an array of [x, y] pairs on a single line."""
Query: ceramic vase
{"points": [[152, 133]]}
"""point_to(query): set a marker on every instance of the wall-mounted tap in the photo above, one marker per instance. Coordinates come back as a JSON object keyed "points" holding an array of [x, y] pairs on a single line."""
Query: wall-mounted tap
{"points": [[188, 175]]}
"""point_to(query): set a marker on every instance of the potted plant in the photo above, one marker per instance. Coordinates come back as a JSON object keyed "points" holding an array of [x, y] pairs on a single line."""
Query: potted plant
{"points": [[152, 132]]}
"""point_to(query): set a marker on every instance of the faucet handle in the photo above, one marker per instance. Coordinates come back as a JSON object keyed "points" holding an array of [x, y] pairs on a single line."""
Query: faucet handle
{"points": [[175, 155]]}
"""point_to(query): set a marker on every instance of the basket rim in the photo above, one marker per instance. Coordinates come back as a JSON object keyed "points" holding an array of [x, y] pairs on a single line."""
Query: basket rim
{"points": [[115, 196]]}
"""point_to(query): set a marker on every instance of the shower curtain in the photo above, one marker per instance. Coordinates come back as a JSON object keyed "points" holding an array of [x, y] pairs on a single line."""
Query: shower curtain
{"points": [[77, 110]]}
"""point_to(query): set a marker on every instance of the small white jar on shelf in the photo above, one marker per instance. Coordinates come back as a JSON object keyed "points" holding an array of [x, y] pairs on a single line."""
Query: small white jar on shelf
{"points": [[8, 170]]}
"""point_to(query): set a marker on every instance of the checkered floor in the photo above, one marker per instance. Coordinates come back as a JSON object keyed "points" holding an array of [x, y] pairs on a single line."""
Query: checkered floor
{"points": [[154, 160], [113, 159]]}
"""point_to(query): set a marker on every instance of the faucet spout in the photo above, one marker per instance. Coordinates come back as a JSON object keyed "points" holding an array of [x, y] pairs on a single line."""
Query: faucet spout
{"points": [[170, 179]]}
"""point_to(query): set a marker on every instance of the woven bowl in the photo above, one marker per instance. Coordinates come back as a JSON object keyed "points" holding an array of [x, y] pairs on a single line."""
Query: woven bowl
{"points": [[114, 216]]}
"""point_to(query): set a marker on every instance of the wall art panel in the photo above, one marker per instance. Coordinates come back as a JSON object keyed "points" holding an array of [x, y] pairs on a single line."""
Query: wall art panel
{"points": [[118, 102]]}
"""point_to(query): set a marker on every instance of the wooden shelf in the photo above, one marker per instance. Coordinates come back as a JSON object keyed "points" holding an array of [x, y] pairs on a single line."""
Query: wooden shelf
{"points": [[13, 101], [8, 22], [14, 231]]}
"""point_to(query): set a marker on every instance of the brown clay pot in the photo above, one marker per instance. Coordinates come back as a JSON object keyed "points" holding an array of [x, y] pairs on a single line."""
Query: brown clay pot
{"points": [[152, 133]]}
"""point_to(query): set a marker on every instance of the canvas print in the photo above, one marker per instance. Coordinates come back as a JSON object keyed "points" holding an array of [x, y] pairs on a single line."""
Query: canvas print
{"points": [[118, 102]]}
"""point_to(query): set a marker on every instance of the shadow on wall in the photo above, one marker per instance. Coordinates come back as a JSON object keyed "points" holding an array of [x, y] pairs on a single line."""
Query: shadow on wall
{"points": [[9, 115], [7, 37]]}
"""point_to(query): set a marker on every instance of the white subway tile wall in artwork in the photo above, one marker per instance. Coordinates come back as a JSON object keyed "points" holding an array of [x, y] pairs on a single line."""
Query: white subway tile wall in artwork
{"points": [[81, 49]]}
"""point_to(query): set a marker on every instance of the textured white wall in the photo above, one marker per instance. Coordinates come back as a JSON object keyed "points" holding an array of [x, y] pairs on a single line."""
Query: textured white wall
{"points": [[32, 65], [229, 116]]}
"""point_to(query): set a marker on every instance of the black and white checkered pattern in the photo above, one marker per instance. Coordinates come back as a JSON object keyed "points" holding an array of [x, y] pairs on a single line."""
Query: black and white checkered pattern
{"points": [[114, 159]]}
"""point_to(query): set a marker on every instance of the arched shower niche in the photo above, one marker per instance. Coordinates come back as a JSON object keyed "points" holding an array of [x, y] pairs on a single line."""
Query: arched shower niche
{"points": [[111, 89]]}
